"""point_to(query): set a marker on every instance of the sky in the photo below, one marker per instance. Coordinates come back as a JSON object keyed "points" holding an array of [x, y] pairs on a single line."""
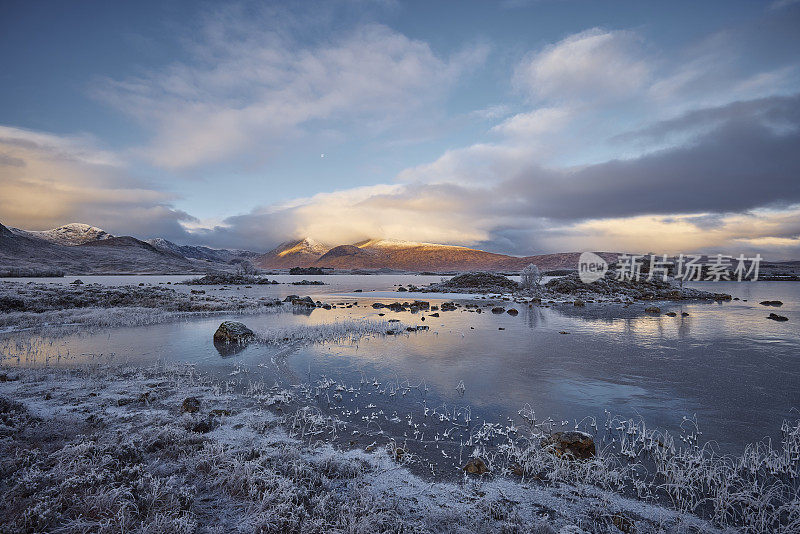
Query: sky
{"points": [[515, 126]]}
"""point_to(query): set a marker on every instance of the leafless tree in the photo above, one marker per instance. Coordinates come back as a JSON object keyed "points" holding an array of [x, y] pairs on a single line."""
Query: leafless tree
{"points": [[531, 277], [246, 267]]}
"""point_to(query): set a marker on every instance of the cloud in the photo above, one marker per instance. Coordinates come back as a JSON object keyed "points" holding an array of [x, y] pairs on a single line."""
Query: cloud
{"points": [[493, 112], [250, 86], [691, 195], [780, 4], [619, 149], [416, 212], [536, 122], [773, 234], [53, 180], [745, 160], [593, 64]]}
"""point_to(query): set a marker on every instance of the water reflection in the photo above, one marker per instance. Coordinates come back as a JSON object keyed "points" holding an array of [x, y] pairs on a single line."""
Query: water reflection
{"points": [[226, 350]]}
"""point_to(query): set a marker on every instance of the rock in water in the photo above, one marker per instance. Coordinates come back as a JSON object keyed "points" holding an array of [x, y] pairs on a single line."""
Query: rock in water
{"points": [[476, 466], [653, 309], [233, 332], [776, 317], [578, 444], [776, 303]]}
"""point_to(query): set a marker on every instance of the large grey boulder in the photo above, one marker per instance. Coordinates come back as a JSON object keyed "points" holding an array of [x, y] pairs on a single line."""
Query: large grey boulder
{"points": [[233, 332]]}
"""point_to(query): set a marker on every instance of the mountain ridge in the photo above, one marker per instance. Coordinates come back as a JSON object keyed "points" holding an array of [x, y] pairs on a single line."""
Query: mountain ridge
{"points": [[83, 248], [376, 253]]}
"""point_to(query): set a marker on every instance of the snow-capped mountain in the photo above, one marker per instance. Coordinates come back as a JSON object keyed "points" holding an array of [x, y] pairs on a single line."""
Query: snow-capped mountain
{"points": [[70, 234], [405, 256], [32, 251], [300, 253], [82, 248]]}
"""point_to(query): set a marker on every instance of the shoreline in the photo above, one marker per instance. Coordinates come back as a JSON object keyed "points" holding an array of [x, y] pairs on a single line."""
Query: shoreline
{"points": [[136, 413]]}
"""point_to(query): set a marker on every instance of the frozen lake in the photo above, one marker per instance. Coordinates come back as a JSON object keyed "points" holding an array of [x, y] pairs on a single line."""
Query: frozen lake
{"points": [[725, 363]]}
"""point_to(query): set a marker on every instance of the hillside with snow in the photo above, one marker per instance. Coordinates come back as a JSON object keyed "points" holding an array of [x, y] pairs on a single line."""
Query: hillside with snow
{"points": [[69, 235]]}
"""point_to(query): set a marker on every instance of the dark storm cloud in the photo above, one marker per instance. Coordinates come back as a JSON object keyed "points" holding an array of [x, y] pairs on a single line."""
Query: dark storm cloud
{"points": [[750, 159]]}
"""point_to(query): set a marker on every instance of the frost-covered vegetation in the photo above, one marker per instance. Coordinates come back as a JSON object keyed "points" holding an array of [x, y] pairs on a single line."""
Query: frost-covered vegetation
{"points": [[530, 277], [112, 449], [30, 272], [347, 331], [32, 305]]}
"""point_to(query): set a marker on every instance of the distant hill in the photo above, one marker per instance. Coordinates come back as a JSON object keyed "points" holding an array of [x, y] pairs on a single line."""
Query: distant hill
{"points": [[29, 250], [407, 256], [203, 253]]}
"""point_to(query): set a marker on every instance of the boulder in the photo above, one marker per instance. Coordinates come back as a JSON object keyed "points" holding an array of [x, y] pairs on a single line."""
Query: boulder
{"points": [[305, 301], [653, 309], [776, 303], [203, 427], [776, 317], [482, 282], [233, 332], [475, 466], [579, 445], [448, 306], [671, 314], [512, 311], [498, 309], [190, 405]]}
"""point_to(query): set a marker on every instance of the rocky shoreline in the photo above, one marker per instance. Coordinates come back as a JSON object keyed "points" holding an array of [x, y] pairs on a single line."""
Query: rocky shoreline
{"points": [[570, 287]]}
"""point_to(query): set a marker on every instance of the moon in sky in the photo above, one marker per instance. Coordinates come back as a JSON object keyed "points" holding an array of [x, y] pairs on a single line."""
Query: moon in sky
{"points": [[322, 155]]}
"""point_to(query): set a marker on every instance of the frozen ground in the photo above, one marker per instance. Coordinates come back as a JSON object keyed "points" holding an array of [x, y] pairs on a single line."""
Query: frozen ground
{"points": [[110, 449], [105, 450], [93, 305]]}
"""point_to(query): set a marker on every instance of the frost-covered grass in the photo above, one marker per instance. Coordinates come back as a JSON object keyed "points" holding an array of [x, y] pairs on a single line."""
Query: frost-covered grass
{"points": [[342, 331], [103, 449], [758, 491], [26, 306]]}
